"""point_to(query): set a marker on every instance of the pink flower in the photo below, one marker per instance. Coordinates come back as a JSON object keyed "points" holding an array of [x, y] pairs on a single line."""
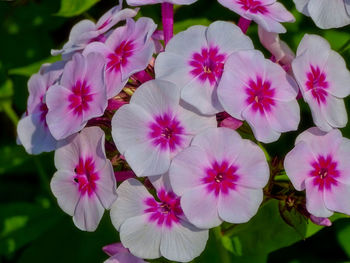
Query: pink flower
{"points": [[219, 178], [153, 227], [266, 13], [126, 51], [321, 221], [84, 183], [153, 128], [119, 254], [151, 2], [326, 14], [259, 91], [279, 49], [79, 96], [194, 60], [87, 31], [32, 129], [323, 80], [320, 163]]}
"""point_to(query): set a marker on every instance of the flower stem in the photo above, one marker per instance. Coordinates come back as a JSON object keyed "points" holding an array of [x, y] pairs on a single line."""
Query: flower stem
{"points": [[244, 24], [224, 254], [168, 21]]}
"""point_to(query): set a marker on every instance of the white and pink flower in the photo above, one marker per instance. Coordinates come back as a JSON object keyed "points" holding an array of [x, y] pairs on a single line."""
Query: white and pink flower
{"points": [[84, 183], [320, 163], [219, 178], [127, 50], [259, 91], [326, 14], [266, 13], [87, 31], [119, 254], [33, 132], [154, 127], [194, 60], [153, 227], [79, 96], [323, 80]]}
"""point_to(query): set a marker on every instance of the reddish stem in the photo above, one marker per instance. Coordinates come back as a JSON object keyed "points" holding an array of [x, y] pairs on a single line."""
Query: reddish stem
{"points": [[168, 21], [244, 24]]}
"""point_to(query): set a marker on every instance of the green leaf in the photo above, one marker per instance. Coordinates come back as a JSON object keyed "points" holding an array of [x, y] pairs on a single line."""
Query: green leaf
{"points": [[75, 7], [12, 157], [264, 233], [313, 228], [33, 68], [183, 25], [21, 223]]}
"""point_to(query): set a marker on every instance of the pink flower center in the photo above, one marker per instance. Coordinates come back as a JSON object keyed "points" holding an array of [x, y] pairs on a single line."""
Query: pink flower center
{"points": [[79, 100], [221, 177], [317, 83], [166, 132], [43, 111], [208, 65], [86, 176], [120, 56], [167, 211], [105, 23], [260, 95], [253, 6], [324, 172]]}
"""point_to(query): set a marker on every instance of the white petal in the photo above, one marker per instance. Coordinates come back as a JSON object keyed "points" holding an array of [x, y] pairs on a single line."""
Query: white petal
{"points": [[315, 203], [240, 204], [65, 190], [88, 213], [141, 237], [130, 202], [183, 242], [200, 207], [328, 14], [228, 37]]}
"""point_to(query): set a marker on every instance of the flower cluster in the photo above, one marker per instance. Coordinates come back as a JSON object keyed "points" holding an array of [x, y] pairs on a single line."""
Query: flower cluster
{"points": [[155, 133]]}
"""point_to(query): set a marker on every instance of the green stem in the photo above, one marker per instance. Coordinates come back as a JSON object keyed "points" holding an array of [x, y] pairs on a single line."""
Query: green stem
{"points": [[45, 183], [224, 254], [10, 113]]}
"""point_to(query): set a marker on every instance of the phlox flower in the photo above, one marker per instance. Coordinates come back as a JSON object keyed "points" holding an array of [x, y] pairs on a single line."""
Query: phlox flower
{"points": [[151, 227], [79, 96], [323, 80], [279, 49], [151, 2], [119, 254], [153, 128], [87, 31], [84, 183], [219, 178], [32, 129], [126, 51], [259, 91], [326, 14], [320, 163], [194, 60], [266, 13]]}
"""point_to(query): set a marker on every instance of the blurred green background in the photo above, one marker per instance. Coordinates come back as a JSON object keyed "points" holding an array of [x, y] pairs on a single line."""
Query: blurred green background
{"points": [[34, 229]]}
